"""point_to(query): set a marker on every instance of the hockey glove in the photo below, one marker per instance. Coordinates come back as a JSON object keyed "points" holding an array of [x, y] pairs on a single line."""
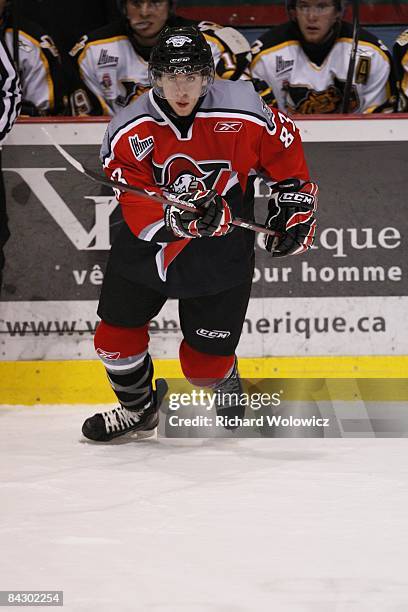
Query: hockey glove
{"points": [[291, 212], [210, 215]]}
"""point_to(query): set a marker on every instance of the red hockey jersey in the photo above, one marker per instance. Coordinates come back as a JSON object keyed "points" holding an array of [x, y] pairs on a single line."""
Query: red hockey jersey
{"points": [[233, 137]]}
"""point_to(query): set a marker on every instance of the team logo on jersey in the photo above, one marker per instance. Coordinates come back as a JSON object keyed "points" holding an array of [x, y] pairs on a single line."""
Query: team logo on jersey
{"points": [[181, 173], [283, 65], [178, 41], [309, 101], [106, 81], [107, 60], [228, 126], [141, 147], [133, 90]]}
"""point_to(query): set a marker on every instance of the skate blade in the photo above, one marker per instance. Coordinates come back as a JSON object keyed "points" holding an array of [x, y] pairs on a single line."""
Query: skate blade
{"points": [[144, 435]]}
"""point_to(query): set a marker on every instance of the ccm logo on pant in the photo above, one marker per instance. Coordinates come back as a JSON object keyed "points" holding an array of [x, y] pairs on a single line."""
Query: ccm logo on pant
{"points": [[213, 333]]}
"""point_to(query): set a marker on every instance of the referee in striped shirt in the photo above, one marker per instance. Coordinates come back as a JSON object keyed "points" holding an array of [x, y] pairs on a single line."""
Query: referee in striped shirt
{"points": [[10, 102]]}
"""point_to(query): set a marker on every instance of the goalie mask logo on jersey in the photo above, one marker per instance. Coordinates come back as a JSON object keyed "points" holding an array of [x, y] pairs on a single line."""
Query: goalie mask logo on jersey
{"points": [[180, 174]]}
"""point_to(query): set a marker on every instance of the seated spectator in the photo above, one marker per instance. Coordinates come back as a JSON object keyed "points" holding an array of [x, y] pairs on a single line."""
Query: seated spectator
{"points": [[401, 63], [38, 63], [112, 61], [301, 66]]}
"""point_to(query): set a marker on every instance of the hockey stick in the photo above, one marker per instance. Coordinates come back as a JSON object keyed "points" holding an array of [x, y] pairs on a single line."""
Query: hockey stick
{"points": [[255, 227], [352, 62]]}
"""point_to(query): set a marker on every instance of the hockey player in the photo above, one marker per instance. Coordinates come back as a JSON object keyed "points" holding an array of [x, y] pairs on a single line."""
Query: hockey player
{"points": [[38, 62], [401, 61], [201, 140], [301, 66], [112, 61]]}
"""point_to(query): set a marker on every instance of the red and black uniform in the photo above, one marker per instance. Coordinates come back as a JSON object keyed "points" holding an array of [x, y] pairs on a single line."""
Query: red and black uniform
{"points": [[232, 137]]}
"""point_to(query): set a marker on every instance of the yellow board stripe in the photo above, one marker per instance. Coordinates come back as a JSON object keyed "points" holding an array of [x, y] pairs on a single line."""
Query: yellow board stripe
{"points": [[84, 382]]}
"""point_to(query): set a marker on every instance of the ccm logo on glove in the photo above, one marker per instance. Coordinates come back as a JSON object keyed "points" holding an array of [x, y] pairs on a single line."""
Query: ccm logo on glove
{"points": [[291, 213], [298, 198]]}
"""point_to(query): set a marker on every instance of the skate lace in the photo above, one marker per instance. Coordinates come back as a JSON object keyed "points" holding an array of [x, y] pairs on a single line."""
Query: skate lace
{"points": [[119, 419]]}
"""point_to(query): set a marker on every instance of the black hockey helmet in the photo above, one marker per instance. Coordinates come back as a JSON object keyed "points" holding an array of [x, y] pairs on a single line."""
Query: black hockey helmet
{"points": [[122, 5], [291, 5], [181, 50]]}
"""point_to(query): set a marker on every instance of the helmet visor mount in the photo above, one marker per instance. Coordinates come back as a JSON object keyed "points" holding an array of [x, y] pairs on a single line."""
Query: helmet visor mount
{"points": [[168, 82]]}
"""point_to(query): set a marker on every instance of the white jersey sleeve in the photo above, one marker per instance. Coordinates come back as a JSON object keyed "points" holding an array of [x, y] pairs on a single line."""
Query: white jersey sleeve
{"points": [[40, 70], [231, 50]]}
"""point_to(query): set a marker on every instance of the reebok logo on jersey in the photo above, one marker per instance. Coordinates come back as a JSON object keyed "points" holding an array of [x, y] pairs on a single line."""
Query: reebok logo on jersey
{"points": [[106, 355], [142, 147], [107, 60], [228, 126], [213, 333], [283, 65]]}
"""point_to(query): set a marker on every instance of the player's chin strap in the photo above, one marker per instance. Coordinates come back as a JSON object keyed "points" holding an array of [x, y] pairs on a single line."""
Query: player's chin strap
{"points": [[170, 199]]}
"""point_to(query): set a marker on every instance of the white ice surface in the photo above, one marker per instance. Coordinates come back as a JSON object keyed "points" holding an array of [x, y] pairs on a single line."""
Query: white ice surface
{"points": [[256, 525]]}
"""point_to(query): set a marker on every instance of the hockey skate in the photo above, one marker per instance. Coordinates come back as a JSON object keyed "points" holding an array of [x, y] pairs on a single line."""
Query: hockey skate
{"points": [[227, 400], [105, 426]]}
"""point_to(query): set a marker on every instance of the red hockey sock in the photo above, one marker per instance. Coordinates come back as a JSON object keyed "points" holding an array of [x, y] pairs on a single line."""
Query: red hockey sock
{"points": [[202, 369], [116, 342]]}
